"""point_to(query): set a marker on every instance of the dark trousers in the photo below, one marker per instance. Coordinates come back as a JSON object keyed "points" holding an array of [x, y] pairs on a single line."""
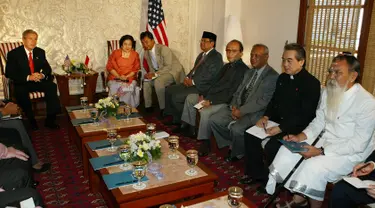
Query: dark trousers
{"points": [[14, 173], [175, 96], [345, 195], [254, 154], [50, 96], [14, 197]]}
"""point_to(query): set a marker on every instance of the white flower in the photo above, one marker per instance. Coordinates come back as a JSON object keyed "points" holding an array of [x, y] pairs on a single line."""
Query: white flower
{"points": [[140, 153], [145, 146]]}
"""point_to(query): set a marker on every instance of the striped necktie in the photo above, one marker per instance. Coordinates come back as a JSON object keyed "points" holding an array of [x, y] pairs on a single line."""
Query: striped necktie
{"points": [[248, 89]]}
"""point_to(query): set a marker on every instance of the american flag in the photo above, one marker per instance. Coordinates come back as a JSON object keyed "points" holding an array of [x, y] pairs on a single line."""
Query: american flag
{"points": [[156, 22]]}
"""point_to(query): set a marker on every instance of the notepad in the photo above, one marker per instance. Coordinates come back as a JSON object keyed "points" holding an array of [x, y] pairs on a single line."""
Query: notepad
{"points": [[116, 180], [199, 105], [105, 161], [294, 147], [132, 115], [161, 135], [11, 117], [28, 203], [103, 144], [149, 80], [358, 183], [259, 132], [80, 121]]}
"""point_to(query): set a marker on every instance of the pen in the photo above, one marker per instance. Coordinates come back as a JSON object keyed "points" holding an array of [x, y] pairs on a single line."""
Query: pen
{"points": [[361, 168], [127, 182], [264, 127]]}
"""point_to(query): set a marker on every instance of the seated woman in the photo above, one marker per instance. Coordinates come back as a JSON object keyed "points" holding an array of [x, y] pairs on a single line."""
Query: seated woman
{"points": [[123, 66]]}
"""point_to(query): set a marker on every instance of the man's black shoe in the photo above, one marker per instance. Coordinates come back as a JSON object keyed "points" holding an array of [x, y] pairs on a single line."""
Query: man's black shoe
{"points": [[228, 158], [149, 110], [248, 181], [34, 126], [161, 115], [35, 184], [170, 123], [52, 125], [261, 190], [204, 149], [190, 132], [45, 167], [182, 128]]}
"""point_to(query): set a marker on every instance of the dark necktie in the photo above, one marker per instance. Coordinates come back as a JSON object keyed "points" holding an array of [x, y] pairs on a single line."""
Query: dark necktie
{"points": [[191, 73], [31, 63], [248, 89]]}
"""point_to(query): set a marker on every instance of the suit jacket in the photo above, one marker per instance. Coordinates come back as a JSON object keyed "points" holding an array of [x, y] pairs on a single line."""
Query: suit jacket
{"points": [[17, 66], [207, 72], [167, 62], [294, 101], [259, 96], [229, 79]]}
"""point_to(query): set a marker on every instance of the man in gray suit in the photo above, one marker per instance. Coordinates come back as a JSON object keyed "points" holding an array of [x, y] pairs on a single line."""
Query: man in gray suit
{"points": [[247, 106], [220, 94], [165, 69], [198, 81]]}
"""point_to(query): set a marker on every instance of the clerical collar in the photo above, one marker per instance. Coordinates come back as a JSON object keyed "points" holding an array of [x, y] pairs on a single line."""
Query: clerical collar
{"points": [[303, 70]]}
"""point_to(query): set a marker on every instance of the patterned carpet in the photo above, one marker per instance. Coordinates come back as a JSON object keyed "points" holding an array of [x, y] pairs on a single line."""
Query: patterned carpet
{"points": [[65, 186]]}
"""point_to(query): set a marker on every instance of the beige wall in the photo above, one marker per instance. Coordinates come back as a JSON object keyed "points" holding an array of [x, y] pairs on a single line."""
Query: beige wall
{"points": [[80, 27]]}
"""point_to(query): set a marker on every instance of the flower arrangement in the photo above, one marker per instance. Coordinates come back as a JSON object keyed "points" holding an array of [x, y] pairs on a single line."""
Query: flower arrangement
{"points": [[107, 105], [142, 146], [73, 66]]}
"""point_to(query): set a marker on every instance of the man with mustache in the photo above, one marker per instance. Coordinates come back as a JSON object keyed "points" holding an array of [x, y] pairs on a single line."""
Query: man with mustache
{"points": [[347, 115]]}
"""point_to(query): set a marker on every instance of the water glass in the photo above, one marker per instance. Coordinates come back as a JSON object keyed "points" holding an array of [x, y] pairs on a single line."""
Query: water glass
{"points": [[173, 142], [127, 111], [139, 171], [235, 195], [112, 137], [151, 129], [94, 115], [84, 102], [124, 154], [192, 161]]}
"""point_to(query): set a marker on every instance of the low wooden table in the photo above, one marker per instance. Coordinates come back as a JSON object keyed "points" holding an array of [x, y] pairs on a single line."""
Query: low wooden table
{"points": [[82, 134], [175, 185], [212, 199]]}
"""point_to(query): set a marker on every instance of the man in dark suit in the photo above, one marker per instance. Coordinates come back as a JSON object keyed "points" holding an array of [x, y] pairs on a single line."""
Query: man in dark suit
{"points": [[199, 80], [30, 71], [247, 106], [292, 106], [345, 195], [219, 95]]}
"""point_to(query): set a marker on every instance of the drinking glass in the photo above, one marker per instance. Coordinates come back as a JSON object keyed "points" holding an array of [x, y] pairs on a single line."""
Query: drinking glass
{"points": [[139, 171], [124, 153], [192, 160], [112, 137], [94, 115], [167, 206], [235, 194], [151, 129], [173, 142], [84, 102], [116, 98], [127, 111]]}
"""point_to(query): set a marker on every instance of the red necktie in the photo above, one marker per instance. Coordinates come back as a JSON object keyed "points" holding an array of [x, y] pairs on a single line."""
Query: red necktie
{"points": [[31, 63]]}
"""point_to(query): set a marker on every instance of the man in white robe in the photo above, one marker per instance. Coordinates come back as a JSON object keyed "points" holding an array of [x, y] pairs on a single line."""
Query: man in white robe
{"points": [[347, 115]]}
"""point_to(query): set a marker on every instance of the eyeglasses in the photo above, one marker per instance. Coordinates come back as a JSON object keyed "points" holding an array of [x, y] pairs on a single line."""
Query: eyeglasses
{"points": [[334, 72], [231, 51]]}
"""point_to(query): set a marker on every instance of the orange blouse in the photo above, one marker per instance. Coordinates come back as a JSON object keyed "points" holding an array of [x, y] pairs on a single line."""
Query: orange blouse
{"points": [[123, 66]]}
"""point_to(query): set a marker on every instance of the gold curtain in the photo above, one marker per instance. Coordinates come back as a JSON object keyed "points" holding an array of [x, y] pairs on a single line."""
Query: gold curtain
{"points": [[368, 78], [332, 26]]}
